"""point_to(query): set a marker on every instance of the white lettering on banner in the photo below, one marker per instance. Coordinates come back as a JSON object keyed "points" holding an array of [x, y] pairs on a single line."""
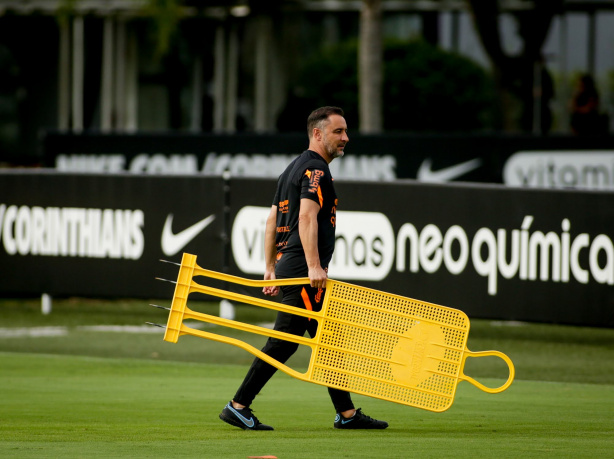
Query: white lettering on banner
{"points": [[164, 164], [72, 232], [382, 168], [376, 167], [556, 255], [364, 247], [243, 165], [271, 166], [90, 163], [561, 169], [247, 239]]}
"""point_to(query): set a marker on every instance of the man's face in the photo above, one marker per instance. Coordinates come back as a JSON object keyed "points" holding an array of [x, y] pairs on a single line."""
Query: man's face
{"points": [[335, 136]]}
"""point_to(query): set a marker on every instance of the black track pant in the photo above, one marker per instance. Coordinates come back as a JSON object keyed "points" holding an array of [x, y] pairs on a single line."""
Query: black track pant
{"points": [[260, 372]]}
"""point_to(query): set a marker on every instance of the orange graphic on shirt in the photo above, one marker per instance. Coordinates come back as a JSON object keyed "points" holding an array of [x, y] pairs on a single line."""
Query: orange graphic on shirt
{"points": [[314, 179], [283, 206], [314, 183]]}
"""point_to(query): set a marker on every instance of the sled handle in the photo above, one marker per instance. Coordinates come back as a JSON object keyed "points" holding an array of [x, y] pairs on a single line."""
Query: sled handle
{"points": [[490, 390]]}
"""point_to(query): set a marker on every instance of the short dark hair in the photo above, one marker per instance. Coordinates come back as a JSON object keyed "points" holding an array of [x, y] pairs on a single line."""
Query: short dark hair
{"points": [[319, 115]]}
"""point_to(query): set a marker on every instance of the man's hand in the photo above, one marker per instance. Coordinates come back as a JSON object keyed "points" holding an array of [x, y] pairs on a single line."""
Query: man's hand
{"points": [[271, 291], [317, 277]]}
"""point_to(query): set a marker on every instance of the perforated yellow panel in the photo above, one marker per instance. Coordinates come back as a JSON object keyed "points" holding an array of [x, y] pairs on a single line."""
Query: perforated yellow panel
{"points": [[368, 342], [390, 347]]}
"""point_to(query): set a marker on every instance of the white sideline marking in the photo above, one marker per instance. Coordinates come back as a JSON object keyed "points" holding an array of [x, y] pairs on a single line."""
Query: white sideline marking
{"points": [[507, 323], [32, 332], [121, 328], [44, 332]]}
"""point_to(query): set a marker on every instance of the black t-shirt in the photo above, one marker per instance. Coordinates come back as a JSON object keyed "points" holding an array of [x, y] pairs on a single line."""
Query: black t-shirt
{"points": [[308, 176]]}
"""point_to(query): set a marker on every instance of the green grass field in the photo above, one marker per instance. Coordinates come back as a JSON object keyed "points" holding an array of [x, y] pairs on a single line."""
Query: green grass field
{"points": [[74, 386]]}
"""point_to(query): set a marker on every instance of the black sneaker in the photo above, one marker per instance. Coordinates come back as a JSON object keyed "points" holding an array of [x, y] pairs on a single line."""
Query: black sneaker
{"points": [[358, 421], [242, 418]]}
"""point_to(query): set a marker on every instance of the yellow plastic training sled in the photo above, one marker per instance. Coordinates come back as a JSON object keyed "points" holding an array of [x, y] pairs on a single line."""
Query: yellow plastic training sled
{"points": [[368, 342]]}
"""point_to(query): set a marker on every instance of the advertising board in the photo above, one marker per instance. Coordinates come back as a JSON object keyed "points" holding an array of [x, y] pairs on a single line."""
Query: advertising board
{"points": [[492, 251]]}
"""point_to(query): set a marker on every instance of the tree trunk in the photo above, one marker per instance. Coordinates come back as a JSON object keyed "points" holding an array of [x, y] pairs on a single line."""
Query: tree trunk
{"points": [[514, 74], [370, 67]]}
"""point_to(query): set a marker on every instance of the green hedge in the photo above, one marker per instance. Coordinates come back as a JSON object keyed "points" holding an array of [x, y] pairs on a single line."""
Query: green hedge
{"points": [[425, 88]]}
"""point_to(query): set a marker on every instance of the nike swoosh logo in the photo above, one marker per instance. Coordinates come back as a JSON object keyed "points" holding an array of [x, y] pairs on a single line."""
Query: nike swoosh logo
{"points": [[343, 420], [248, 422], [426, 174], [173, 243]]}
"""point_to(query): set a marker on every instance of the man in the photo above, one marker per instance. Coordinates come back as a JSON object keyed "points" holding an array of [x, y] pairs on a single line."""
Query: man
{"points": [[299, 242]]}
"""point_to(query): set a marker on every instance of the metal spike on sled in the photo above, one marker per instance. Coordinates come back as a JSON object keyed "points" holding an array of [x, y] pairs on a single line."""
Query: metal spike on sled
{"points": [[368, 342]]}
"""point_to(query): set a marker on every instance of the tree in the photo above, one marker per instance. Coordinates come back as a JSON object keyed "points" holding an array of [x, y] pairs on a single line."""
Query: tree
{"points": [[418, 93], [514, 74], [370, 68]]}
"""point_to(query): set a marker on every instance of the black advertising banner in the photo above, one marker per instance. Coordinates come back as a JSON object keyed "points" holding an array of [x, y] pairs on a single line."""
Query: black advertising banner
{"points": [[103, 235], [519, 160], [495, 252], [491, 251]]}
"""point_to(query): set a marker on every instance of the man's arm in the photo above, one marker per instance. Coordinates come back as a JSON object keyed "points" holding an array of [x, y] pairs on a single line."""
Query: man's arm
{"points": [[270, 251], [308, 232]]}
